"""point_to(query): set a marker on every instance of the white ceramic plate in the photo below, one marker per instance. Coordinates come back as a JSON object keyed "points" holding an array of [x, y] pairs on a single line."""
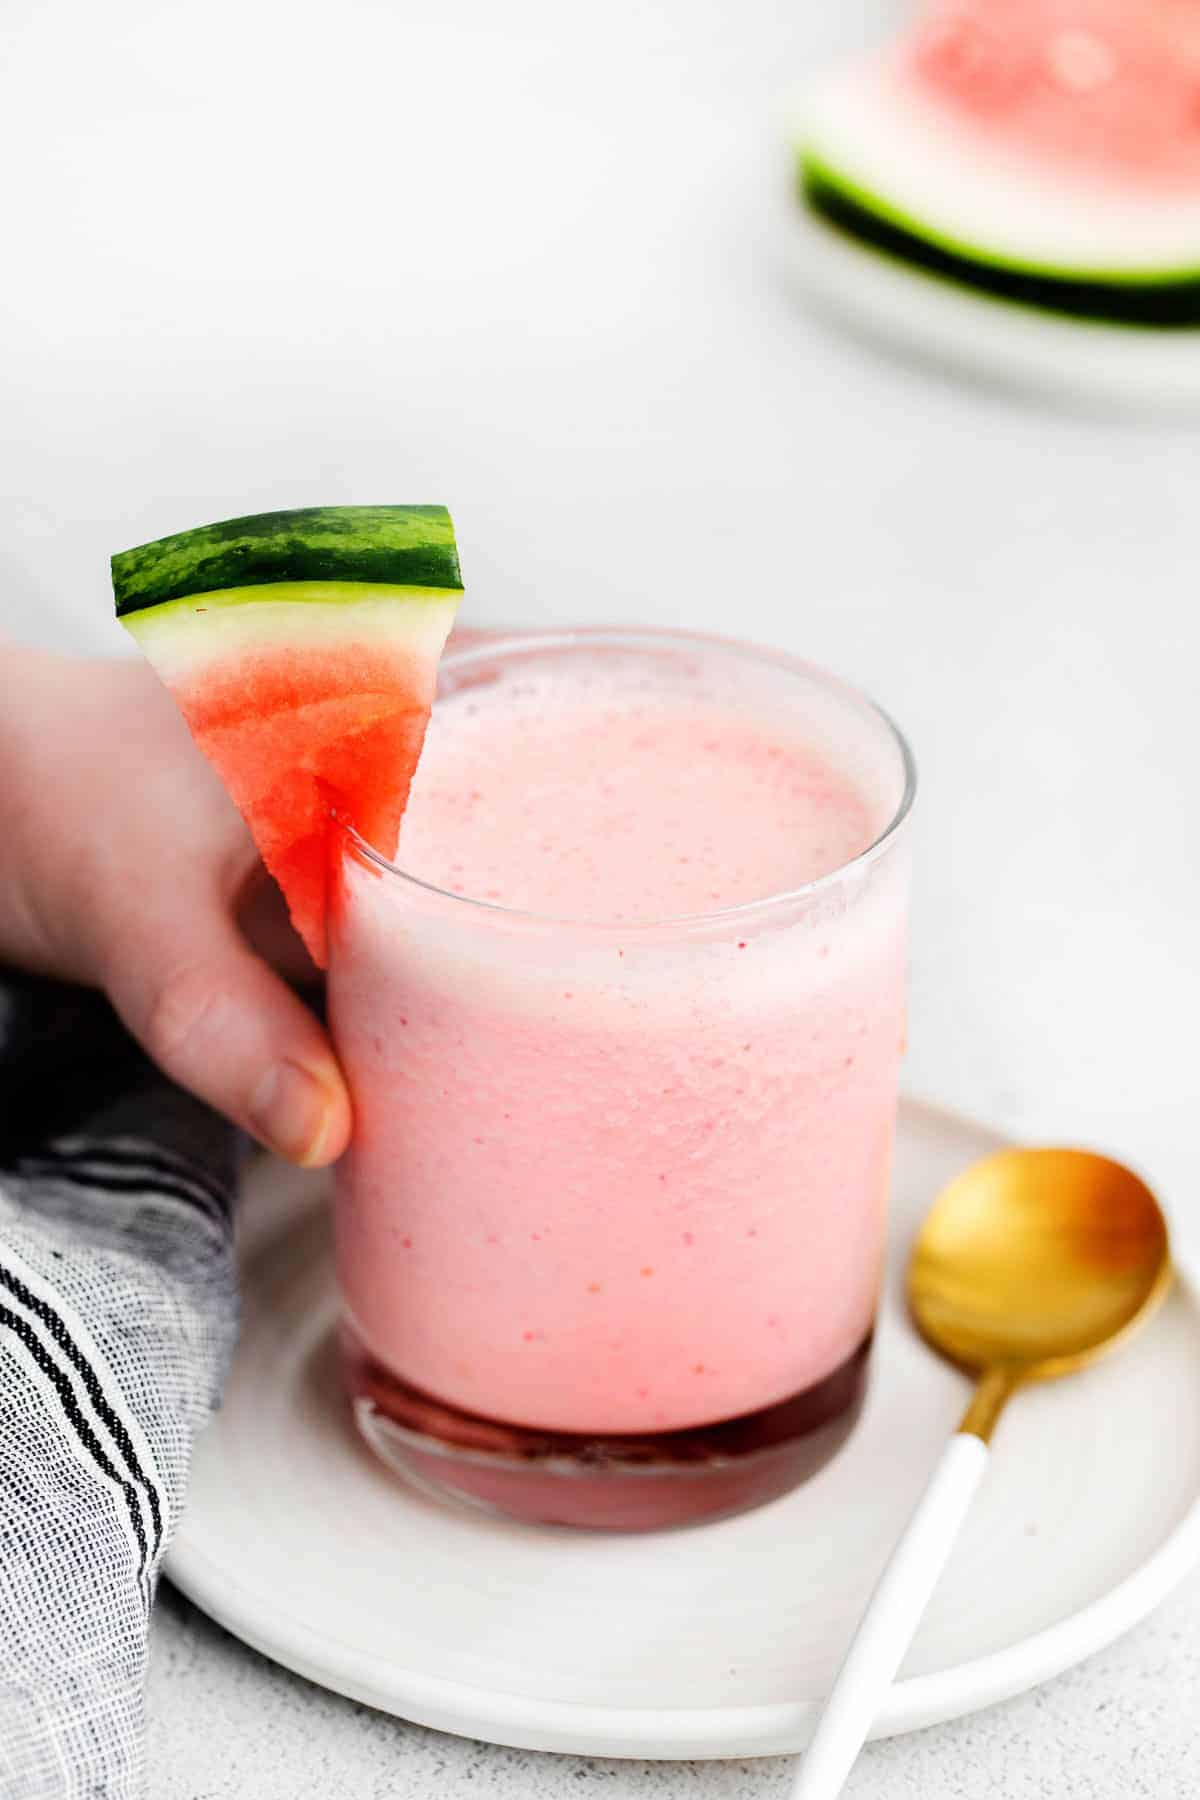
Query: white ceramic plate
{"points": [[717, 1641], [1126, 367]]}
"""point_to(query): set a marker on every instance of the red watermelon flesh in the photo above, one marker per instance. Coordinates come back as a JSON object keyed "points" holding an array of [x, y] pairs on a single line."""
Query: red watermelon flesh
{"points": [[1109, 88], [307, 739]]}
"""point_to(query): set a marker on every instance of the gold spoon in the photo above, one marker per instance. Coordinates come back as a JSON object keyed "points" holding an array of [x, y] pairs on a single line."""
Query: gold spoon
{"points": [[1031, 1264]]}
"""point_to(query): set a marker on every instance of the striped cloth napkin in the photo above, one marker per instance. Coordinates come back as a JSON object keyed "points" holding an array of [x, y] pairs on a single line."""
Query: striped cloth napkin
{"points": [[117, 1321]]}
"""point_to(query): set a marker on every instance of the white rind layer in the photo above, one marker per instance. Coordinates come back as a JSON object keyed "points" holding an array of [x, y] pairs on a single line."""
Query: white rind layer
{"points": [[183, 638], [949, 184]]}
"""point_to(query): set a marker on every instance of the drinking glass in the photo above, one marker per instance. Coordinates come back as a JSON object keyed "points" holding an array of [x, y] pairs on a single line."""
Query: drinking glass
{"points": [[610, 1232]]}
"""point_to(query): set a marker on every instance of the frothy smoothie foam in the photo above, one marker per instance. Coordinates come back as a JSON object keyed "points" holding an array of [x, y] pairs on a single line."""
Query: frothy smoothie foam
{"points": [[580, 797], [619, 1175]]}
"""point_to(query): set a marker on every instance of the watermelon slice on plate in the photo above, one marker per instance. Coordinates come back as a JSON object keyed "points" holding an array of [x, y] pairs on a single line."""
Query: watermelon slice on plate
{"points": [[1042, 156], [302, 649]]}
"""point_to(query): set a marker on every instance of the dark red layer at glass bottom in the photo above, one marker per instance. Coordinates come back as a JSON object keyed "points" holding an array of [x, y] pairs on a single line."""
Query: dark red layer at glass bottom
{"points": [[645, 1483]]}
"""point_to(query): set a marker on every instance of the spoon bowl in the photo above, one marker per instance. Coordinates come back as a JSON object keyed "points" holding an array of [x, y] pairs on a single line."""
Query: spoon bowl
{"points": [[1037, 1262]]}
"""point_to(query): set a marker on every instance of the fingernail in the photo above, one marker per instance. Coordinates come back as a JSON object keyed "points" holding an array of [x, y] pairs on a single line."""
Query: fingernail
{"points": [[290, 1111]]}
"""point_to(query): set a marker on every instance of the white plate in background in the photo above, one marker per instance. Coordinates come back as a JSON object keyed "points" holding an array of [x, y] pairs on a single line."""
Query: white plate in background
{"points": [[1127, 367]]}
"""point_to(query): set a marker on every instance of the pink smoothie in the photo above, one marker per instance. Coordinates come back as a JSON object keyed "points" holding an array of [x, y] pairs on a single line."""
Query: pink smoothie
{"points": [[616, 1175]]}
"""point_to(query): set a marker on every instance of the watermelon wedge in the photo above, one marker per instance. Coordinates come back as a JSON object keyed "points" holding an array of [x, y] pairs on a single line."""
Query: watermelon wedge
{"points": [[1042, 152], [302, 649]]}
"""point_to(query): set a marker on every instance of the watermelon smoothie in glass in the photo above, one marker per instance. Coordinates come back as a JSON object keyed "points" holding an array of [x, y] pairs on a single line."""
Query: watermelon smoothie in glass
{"points": [[622, 1026]]}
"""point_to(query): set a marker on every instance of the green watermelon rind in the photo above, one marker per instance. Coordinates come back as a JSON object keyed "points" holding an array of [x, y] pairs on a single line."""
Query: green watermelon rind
{"points": [[1167, 298], [410, 547]]}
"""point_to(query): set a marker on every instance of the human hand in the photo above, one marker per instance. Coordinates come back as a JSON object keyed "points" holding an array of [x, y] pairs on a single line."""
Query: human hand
{"points": [[125, 865]]}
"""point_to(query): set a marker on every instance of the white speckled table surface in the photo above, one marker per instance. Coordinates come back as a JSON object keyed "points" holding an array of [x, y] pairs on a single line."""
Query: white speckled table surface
{"points": [[225, 1724], [521, 259]]}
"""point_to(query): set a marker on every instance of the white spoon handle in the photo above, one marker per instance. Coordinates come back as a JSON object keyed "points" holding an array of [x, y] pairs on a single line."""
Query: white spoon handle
{"points": [[892, 1616]]}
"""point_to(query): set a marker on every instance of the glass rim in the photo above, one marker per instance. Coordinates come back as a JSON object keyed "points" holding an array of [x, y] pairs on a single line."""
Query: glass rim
{"points": [[569, 637]]}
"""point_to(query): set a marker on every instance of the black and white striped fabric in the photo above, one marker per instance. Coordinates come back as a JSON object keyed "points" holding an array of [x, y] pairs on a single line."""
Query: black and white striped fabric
{"points": [[117, 1320]]}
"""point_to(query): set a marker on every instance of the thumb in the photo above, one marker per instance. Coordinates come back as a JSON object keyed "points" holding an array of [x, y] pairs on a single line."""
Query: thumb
{"points": [[215, 1019]]}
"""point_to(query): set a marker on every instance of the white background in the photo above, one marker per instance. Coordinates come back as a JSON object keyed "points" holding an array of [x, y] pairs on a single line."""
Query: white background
{"points": [[524, 259]]}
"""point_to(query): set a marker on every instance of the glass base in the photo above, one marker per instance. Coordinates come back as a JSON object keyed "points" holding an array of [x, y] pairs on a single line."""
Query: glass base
{"points": [[632, 1483]]}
